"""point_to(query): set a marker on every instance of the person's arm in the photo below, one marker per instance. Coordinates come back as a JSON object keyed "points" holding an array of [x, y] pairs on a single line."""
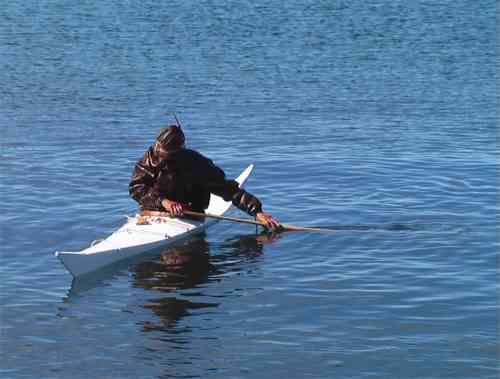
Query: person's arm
{"points": [[141, 187], [216, 182]]}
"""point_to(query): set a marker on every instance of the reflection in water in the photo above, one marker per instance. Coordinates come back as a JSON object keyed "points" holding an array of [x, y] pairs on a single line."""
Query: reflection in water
{"points": [[179, 267], [175, 272], [249, 245], [171, 310], [191, 266], [177, 281]]}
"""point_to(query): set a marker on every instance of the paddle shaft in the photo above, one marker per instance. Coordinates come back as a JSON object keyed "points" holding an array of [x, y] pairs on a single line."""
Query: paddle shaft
{"points": [[292, 228]]}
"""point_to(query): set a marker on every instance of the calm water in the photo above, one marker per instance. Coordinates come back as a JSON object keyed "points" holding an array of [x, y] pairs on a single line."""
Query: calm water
{"points": [[377, 119]]}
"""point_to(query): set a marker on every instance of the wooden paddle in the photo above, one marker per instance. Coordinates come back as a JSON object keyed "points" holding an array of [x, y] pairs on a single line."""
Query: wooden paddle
{"points": [[286, 227]]}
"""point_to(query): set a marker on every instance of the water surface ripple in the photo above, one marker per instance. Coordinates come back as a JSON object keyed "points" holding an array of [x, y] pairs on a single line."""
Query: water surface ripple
{"points": [[376, 120]]}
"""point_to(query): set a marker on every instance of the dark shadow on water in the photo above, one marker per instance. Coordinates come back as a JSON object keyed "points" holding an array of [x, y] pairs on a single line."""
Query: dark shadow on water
{"points": [[183, 267], [187, 266], [196, 254], [191, 266], [179, 267], [178, 283]]}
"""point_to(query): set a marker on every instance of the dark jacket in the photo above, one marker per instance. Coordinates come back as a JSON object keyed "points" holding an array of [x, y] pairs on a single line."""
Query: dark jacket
{"points": [[188, 177]]}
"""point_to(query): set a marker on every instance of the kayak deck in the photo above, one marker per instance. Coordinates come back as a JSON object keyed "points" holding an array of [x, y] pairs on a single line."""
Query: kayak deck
{"points": [[128, 241], [158, 228]]}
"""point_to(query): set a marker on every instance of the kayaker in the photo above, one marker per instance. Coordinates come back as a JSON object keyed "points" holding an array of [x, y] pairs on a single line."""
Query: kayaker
{"points": [[169, 177]]}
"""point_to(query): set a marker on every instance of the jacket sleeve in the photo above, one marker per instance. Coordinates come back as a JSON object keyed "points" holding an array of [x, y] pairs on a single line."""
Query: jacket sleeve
{"points": [[215, 181], [141, 187]]}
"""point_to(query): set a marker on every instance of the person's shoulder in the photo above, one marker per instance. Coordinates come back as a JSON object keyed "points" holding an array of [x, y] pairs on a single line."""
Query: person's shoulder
{"points": [[199, 162], [195, 156]]}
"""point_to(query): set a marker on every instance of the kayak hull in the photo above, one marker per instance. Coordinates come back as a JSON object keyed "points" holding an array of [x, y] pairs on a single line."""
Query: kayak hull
{"points": [[133, 239]]}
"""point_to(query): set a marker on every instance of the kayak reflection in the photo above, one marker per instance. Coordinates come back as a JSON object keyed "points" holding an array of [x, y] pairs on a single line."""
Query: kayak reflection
{"points": [[190, 266]]}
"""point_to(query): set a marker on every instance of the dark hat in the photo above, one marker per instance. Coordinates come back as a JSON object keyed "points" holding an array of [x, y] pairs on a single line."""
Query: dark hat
{"points": [[169, 140]]}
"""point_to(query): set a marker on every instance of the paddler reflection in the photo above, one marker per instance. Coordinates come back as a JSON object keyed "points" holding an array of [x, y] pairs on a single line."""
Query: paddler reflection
{"points": [[185, 266], [190, 266]]}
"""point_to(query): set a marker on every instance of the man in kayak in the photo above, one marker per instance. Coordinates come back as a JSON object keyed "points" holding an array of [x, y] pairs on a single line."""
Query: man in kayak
{"points": [[170, 177]]}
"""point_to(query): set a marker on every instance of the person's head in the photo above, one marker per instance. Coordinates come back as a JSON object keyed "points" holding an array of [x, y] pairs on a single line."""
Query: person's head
{"points": [[170, 140]]}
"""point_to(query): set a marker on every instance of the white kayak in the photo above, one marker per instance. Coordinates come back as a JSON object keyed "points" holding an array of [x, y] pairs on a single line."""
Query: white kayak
{"points": [[133, 239]]}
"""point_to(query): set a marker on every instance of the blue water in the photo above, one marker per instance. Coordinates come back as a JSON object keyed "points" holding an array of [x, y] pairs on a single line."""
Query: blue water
{"points": [[377, 119]]}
